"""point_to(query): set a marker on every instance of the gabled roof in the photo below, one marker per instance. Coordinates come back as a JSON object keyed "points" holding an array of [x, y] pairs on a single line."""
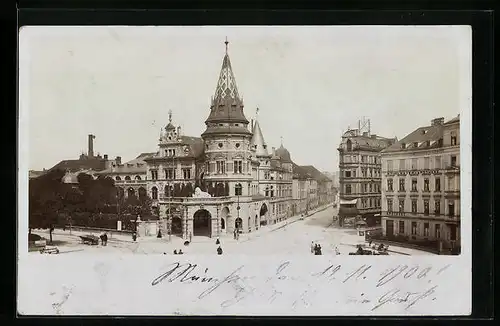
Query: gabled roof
{"points": [[455, 119], [196, 145]]}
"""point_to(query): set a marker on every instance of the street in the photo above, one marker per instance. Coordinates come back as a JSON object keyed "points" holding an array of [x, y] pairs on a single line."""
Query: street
{"points": [[292, 237]]}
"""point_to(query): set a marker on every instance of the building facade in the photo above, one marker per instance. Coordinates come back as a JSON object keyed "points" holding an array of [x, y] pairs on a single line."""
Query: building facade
{"points": [[421, 186], [360, 175], [227, 180]]}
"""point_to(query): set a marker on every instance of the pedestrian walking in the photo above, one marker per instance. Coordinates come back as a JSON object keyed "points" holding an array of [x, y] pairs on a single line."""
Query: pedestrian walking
{"points": [[105, 238], [219, 251], [134, 236], [180, 252], [102, 239], [175, 251], [159, 234], [313, 246], [217, 242], [234, 234]]}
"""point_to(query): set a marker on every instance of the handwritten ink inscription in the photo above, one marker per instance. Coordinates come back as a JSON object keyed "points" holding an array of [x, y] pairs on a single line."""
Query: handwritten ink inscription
{"points": [[402, 285]]}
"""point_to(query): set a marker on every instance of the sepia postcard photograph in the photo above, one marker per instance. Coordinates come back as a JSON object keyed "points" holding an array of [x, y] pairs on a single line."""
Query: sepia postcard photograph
{"points": [[245, 169]]}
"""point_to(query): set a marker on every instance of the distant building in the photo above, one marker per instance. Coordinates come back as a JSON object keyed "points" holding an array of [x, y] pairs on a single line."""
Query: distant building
{"points": [[88, 162], [360, 176], [421, 185]]}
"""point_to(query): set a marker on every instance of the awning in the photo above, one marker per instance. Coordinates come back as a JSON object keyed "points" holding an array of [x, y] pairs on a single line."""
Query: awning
{"points": [[348, 202]]}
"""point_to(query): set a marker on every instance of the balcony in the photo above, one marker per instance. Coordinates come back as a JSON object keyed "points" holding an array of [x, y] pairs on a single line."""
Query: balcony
{"points": [[452, 194], [433, 216], [452, 169], [191, 200], [130, 182]]}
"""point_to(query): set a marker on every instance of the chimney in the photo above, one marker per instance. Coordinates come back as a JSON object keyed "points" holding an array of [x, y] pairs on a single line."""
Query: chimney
{"points": [[91, 146], [437, 121], [374, 136], [365, 134], [106, 157], [273, 150], [118, 160]]}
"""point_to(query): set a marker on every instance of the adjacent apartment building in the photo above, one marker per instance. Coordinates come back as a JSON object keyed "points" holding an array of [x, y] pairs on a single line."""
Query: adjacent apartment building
{"points": [[421, 186], [360, 175]]}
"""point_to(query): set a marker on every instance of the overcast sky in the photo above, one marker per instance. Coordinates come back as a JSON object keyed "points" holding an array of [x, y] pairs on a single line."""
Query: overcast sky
{"points": [[310, 84]]}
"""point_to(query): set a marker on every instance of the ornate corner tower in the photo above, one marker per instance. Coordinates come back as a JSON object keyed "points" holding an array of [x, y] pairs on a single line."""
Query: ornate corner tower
{"points": [[227, 138]]}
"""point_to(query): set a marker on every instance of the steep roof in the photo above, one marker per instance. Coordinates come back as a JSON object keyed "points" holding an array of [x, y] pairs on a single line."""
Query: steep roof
{"points": [[284, 154], [299, 172], [257, 143], [427, 137], [227, 105]]}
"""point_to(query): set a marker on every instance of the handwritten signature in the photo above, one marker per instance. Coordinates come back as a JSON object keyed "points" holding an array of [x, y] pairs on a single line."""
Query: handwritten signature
{"points": [[398, 296]]}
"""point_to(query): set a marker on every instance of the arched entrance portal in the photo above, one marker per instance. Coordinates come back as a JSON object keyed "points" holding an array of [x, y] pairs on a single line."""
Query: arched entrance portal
{"points": [[202, 223], [263, 214], [176, 226]]}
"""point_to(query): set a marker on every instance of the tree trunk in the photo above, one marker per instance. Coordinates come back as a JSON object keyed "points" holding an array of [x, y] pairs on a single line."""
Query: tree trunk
{"points": [[50, 234]]}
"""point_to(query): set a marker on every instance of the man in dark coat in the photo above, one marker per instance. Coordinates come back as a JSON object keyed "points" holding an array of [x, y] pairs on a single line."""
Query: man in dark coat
{"points": [[219, 251]]}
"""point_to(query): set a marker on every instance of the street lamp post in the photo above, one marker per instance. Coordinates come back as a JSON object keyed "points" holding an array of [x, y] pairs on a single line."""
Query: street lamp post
{"points": [[238, 189]]}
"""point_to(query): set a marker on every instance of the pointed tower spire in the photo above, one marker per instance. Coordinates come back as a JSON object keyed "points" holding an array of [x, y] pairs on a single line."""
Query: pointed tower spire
{"points": [[226, 85], [257, 142], [170, 116], [281, 138]]}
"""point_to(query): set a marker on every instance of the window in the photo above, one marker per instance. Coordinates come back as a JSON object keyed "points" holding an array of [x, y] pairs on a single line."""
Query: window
{"points": [[414, 206], [238, 189], [220, 145], [413, 228], [389, 205], [389, 185], [426, 229], [453, 139], [451, 183], [426, 184], [371, 187], [453, 161], [414, 165], [118, 178], [426, 207], [354, 173], [413, 184], [267, 191], [266, 175], [169, 174], [348, 189], [401, 227], [437, 208], [437, 231], [389, 166], [438, 162], [221, 167], [370, 202], [272, 191], [402, 184], [347, 174], [427, 162], [402, 166], [363, 159], [127, 178], [238, 167], [349, 145], [154, 193], [186, 173], [401, 205], [437, 184], [154, 175]]}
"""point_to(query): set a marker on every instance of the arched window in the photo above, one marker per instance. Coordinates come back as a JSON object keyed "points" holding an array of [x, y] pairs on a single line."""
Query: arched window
{"points": [[137, 177], [238, 189], [272, 192], [154, 193], [267, 191], [127, 178], [118, 178], [349, 145]]}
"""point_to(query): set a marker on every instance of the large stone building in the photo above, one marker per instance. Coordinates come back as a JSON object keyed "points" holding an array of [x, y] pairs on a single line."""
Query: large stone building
{"points": [[228, 179], [421, 185], [359, 175]]}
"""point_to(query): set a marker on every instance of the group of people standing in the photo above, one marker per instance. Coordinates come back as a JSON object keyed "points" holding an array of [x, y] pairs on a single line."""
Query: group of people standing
{"points": [[316, 248]]}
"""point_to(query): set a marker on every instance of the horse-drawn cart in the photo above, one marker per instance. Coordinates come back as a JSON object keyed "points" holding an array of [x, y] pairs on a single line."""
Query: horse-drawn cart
{"points": [[90, 240]]}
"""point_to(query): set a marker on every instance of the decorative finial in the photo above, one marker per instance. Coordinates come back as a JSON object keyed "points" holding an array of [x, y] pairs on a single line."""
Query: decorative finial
{"points": [[170, 116], [281, 137], [256, 112], [226, 42]]}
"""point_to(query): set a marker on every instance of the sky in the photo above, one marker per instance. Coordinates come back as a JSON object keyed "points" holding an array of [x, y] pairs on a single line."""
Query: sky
{"points": [[309, 83]]}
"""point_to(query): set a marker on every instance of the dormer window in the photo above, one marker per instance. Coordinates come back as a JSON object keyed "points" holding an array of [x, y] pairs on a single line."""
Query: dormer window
{"points": [[415, 144], [403, 145]]}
